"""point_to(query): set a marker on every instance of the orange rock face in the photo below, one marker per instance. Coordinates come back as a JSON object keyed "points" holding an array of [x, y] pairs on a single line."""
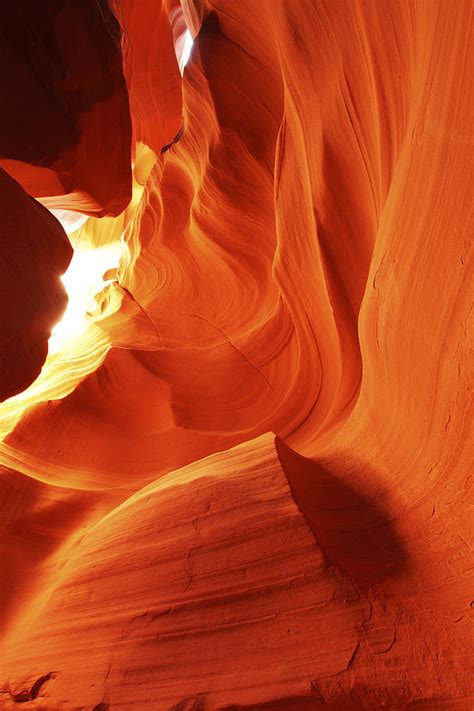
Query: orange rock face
{"points": [[243, 477]]}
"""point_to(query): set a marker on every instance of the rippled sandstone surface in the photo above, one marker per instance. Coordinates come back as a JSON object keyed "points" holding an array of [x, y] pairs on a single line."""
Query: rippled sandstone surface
{"points": [[245, 482]]}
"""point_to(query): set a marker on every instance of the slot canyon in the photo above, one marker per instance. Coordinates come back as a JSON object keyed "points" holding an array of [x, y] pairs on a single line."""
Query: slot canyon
{"points": [[236, 444]]}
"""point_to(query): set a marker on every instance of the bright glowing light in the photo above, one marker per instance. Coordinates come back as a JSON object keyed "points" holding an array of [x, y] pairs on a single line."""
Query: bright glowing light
{"points": [[70, 221], [188, 45], [84, 281]]}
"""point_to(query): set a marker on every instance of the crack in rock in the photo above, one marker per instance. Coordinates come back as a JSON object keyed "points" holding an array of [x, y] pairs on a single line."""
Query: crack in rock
{"points": [[30, 694]]}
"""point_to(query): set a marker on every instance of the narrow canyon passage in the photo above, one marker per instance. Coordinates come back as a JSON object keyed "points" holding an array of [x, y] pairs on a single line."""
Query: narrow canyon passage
{"points": [[236, 355]]}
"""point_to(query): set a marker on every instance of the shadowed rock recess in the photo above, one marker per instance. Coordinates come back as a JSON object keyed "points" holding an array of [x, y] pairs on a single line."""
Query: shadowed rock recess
{"points": [[236, 470]]}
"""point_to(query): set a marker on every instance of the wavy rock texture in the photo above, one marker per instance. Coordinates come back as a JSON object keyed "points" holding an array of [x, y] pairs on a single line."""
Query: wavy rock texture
{"points": [[246, 485]]}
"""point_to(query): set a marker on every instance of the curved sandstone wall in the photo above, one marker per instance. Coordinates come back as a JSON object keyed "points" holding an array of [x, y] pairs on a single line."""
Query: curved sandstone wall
{"points": [[246, 483]]}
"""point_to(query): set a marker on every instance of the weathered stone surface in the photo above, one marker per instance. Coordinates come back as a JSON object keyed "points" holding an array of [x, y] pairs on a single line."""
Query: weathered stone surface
{"points": [[248, 485]]}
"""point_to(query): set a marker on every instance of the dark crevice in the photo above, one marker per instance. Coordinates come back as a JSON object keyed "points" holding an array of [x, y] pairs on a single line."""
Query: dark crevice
{"points": [[191, 703], [210, 24], [111, 23], [32, 693], [167, 146]]}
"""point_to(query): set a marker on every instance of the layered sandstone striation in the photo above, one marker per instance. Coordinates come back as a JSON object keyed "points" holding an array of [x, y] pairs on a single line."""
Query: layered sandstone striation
{"points": [[245, 483]]}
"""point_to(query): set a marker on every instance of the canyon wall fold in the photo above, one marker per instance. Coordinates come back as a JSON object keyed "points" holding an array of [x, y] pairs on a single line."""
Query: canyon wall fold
{"points": [[246, 482]]}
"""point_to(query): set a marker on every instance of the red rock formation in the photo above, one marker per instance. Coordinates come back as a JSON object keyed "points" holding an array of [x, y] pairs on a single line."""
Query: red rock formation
{"points": [[35, 251], [296, 261], [65, 123]]}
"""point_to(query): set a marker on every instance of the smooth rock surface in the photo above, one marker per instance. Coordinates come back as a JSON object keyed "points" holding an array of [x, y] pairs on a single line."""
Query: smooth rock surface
{"points": [[249, 484]]}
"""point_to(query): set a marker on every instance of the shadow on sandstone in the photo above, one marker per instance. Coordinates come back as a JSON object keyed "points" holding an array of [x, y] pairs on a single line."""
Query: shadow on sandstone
{"points": [[349, 515]]}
